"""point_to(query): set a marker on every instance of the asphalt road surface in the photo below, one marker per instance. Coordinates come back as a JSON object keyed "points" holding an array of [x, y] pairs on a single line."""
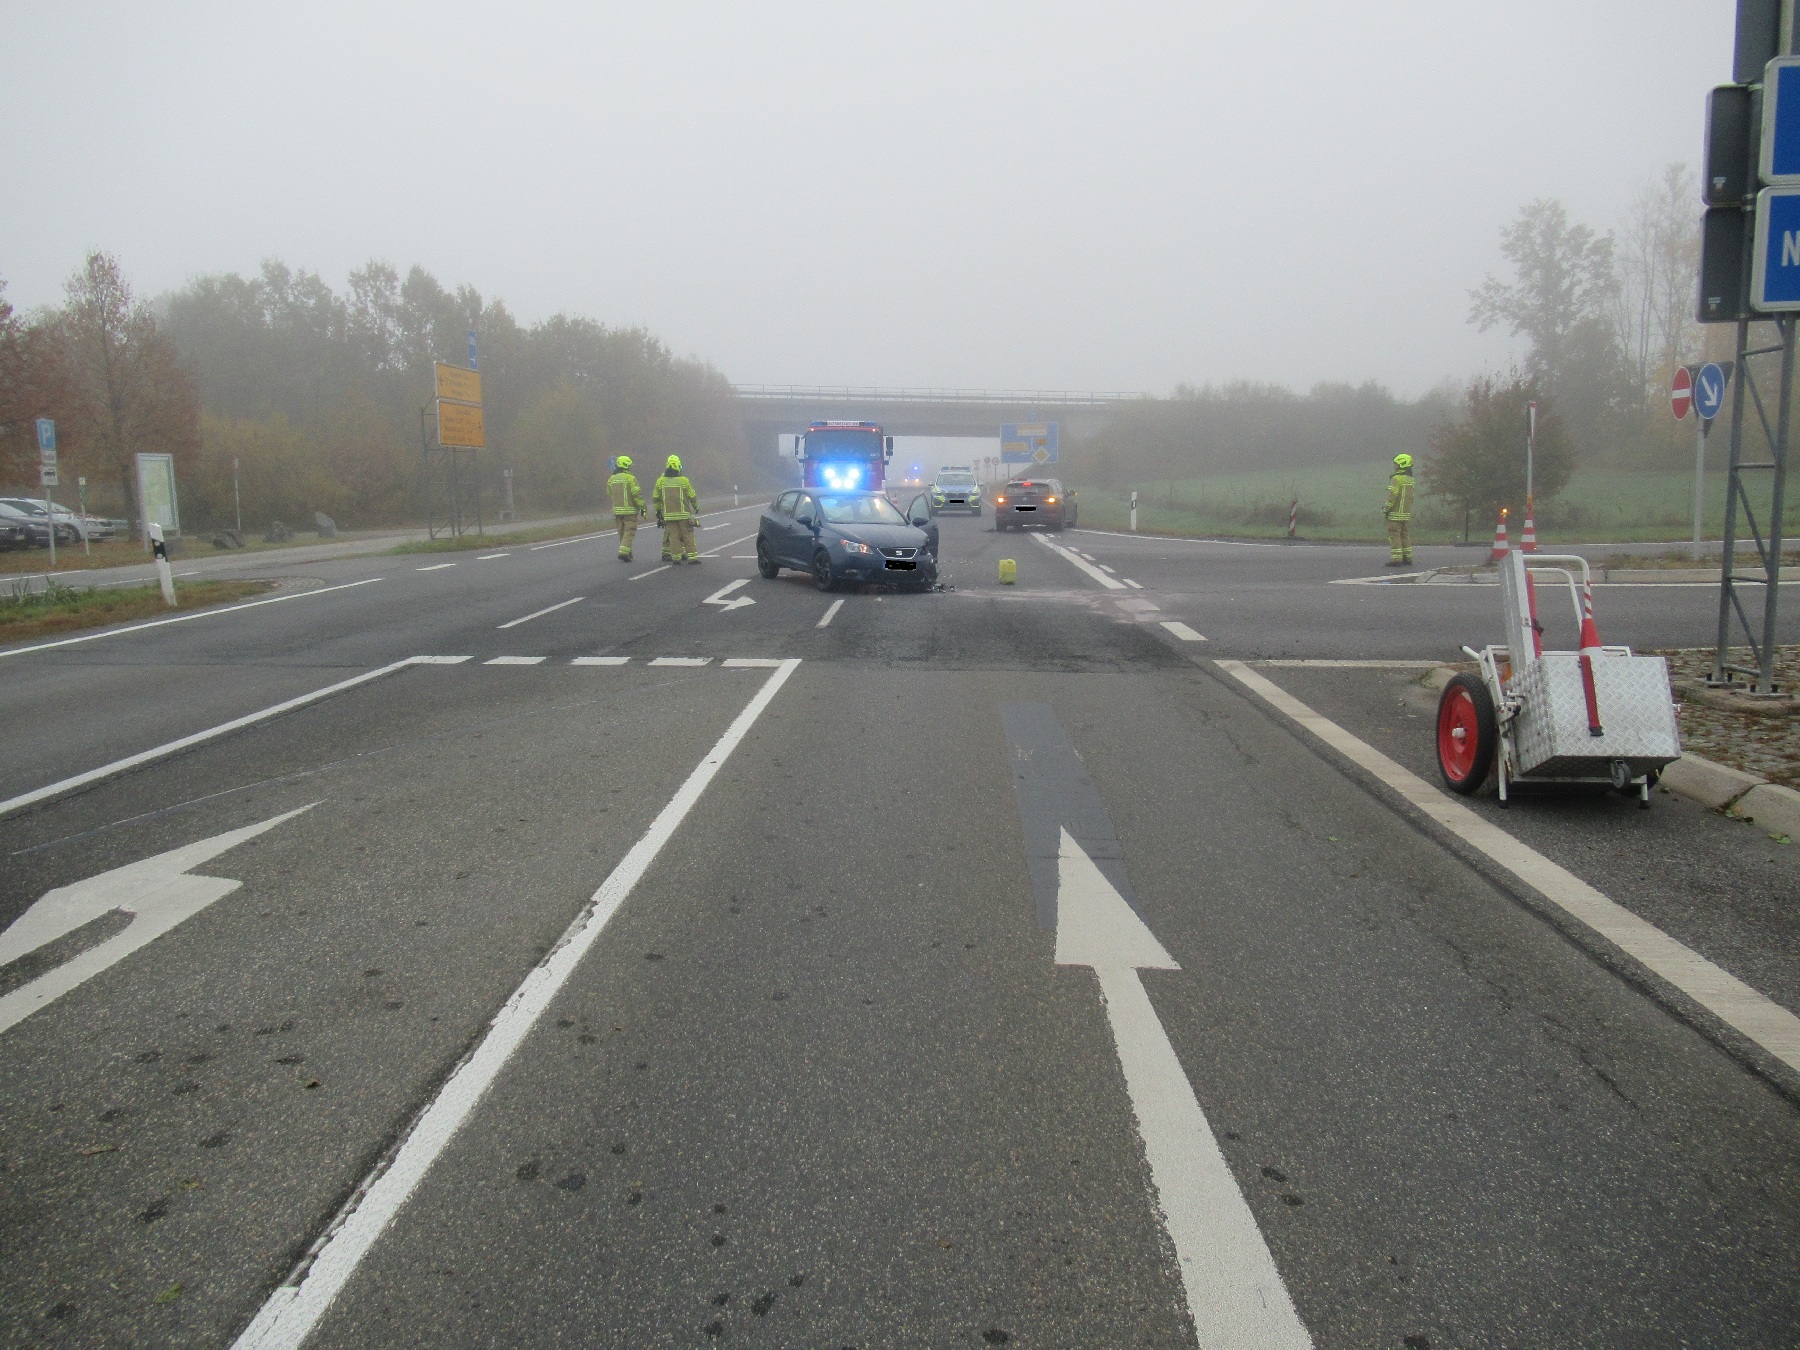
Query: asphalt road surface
{"points": [[535, 949]]}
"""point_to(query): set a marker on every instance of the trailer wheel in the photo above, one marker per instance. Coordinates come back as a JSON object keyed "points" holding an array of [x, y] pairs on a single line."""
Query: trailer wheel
{"points": [[1466, 734]]}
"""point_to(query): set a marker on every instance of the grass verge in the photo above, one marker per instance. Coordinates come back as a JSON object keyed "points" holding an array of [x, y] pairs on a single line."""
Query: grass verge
{"points": [[64, 609]]}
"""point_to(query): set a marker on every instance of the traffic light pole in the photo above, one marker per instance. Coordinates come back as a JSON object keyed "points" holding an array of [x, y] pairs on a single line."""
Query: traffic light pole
{"points": [[1761, 673]]}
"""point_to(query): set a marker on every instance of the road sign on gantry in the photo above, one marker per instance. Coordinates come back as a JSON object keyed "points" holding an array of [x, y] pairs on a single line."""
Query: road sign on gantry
{"points": [[1681, 393], [1775, 265], [1780, 152], [1709, 390], [1029, 443]]}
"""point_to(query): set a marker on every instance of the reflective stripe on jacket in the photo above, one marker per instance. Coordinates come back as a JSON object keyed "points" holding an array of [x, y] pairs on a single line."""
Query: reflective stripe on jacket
{"points": [[675, 498], [622, 487], [1399, 496]]}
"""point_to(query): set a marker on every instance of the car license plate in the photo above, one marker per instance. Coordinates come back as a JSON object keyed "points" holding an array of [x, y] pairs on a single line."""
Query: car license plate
{"points": [[895, 565], [1025, 508]]}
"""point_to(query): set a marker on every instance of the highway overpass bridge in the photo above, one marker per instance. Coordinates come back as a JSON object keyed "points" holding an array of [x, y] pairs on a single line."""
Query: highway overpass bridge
{"points": [[771, 410]]}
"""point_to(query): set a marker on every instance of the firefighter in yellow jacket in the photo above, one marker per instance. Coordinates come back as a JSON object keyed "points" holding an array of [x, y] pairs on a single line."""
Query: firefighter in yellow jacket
{"points": [[627, 505], [676, 507], [1398, 512]]}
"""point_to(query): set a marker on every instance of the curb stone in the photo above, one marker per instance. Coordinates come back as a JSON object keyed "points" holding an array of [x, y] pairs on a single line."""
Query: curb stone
{"points": [[1773, 807], [1712, 785]]}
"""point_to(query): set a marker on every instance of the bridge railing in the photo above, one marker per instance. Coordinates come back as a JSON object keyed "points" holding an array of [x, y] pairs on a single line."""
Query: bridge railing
{"points": [[1048, 398]]}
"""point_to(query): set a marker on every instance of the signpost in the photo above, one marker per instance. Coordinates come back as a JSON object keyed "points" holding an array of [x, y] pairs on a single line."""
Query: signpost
{"points": [[1708, 398], [46, 438], [460, 426], [1029, 443]]}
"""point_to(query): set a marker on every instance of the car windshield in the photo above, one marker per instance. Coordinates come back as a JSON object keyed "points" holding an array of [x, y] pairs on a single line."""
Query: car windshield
{"points": [[861, 508], [23, 507], [952, 476]]}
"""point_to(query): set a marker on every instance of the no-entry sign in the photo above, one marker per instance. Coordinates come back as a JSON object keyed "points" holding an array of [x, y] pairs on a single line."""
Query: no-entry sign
{"points": [[1681, 392]]}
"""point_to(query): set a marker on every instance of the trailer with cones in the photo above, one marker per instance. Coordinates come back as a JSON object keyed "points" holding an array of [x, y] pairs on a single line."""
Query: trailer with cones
{"points": [[1597, 715]]}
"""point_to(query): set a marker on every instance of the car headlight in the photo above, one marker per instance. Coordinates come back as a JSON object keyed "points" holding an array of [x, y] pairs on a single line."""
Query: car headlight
{"points": [[851, 546]]}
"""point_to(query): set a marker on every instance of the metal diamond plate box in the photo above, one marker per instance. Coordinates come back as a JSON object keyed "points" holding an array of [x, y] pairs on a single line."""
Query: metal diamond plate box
{"points": [[1637, 716]]}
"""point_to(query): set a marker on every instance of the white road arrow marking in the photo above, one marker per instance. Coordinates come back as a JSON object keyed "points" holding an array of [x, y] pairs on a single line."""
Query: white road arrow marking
{"points": [[1234, 1291], [158, 893], [725, 606]]}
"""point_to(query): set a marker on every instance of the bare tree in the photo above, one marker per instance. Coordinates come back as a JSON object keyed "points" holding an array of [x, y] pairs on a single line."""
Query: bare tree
{"points": [[1658, 259]]}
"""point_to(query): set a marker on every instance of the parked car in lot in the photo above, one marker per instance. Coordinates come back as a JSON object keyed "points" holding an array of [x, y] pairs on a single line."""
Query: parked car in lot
{"points": [[37, 523], [848, 536], [94, 527], [13, 534], [1034, 501]]}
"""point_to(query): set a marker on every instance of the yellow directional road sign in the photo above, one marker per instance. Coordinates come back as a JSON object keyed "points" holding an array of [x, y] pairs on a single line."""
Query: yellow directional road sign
{"points": [[453, 382], [460, 424]]}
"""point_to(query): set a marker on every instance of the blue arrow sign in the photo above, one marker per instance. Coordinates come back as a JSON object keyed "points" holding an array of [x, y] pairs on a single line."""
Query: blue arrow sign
{"points": [[46, 429], [1709, 390]]}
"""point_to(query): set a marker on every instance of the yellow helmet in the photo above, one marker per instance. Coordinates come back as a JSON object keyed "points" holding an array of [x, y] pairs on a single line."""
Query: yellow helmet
{"points": [[1403, 460], [624, 461], [675, 463]]}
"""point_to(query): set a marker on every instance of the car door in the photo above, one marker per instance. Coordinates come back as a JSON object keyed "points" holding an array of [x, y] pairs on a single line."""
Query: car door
{"points": [[800, 532], [776, 523], [919, 514]]}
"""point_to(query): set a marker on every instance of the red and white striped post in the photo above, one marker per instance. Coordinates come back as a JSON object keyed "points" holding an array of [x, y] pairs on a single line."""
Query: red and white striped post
{"points": [[1293, 517]]}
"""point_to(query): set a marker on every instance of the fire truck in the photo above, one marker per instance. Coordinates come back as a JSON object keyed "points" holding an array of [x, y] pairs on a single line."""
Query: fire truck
{"points": [[844, 456]]}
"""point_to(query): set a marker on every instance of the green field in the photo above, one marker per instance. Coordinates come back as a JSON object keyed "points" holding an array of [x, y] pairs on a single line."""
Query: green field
{"points": [[1343, 502]]}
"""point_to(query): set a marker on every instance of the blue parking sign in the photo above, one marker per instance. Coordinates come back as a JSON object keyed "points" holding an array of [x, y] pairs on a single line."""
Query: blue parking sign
{"points": [[46, 429]]}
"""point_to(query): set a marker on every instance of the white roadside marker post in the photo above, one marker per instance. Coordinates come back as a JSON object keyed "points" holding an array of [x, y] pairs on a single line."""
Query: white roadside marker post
{"points": [[1134, 511], [163, 574]]}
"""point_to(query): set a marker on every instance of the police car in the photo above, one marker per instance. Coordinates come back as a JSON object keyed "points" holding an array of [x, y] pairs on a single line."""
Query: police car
{"points": [[955, 489]]}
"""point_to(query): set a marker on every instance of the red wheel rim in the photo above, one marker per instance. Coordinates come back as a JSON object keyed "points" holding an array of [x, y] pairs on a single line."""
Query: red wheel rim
{"points": [[1459, 733]]}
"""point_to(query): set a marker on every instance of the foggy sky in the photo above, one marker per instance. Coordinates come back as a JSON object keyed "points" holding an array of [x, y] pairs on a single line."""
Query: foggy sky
{"points": [[1102, 196]]}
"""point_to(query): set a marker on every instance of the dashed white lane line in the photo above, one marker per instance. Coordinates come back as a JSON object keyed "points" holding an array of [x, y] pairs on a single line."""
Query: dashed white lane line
{"points": [[514, 623], [681, 661], [1135, 585], [578, 539], [435, 567], [483, 557], [1182, 631], [198, 737], [751, 662], [743, 557], [1721, 993], [440, 660], [294, 1309], [721, 525], [729, 543], [830, 614], [600, 661], [1110, 571], [1183, 539], [515, 661], [183, 618], [1351, 665], [1076, 560], [652, 572]]}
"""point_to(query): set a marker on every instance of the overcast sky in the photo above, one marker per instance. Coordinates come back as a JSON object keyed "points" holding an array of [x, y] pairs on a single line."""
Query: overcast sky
{"points": [[1099, 196]]}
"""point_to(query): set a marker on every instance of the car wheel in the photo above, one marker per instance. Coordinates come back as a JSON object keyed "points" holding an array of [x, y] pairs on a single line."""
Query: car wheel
{"points": [[823, 577], [766, 564]]}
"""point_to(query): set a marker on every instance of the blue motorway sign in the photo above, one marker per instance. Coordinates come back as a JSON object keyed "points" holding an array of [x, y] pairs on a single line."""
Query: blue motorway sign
{"points": [[472, 365], [1781, 121], [1775, 266], [1028, 443], [1709, 390]]}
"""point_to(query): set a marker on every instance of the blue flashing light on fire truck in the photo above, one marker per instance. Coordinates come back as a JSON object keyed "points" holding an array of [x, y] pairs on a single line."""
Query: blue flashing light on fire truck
{"points": [[844, 456]]}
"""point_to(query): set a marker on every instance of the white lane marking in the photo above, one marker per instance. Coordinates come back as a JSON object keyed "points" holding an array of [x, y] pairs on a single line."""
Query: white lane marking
{"points": [[483, 557], [1186, 539], [514, 623], [183, 618], [515, 661], [725, 606], [752, 662], [1076, 560], [1234, 1290], [578, 539], [721, 525], [440, 660], [1135, 585], [294, 1309], [719, 548], [435, 567], [600, 661], [742, 557], [182, 743], [830, 614], [681, 661], [1352, 665], [1138, 607], [652, 572], [1721, 993], [1182, 631], [157, 892], [1110, 571]]}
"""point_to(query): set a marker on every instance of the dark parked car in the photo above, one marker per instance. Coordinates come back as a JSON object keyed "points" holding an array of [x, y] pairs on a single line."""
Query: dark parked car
{"points": [[37, 526], [1034, 501], [848, 536], [13, 534]]}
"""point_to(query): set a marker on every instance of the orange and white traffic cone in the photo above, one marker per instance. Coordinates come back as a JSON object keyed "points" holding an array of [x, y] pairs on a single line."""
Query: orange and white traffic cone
{"points": [[1501, 547], [1591, 651], [1528, 538]]}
